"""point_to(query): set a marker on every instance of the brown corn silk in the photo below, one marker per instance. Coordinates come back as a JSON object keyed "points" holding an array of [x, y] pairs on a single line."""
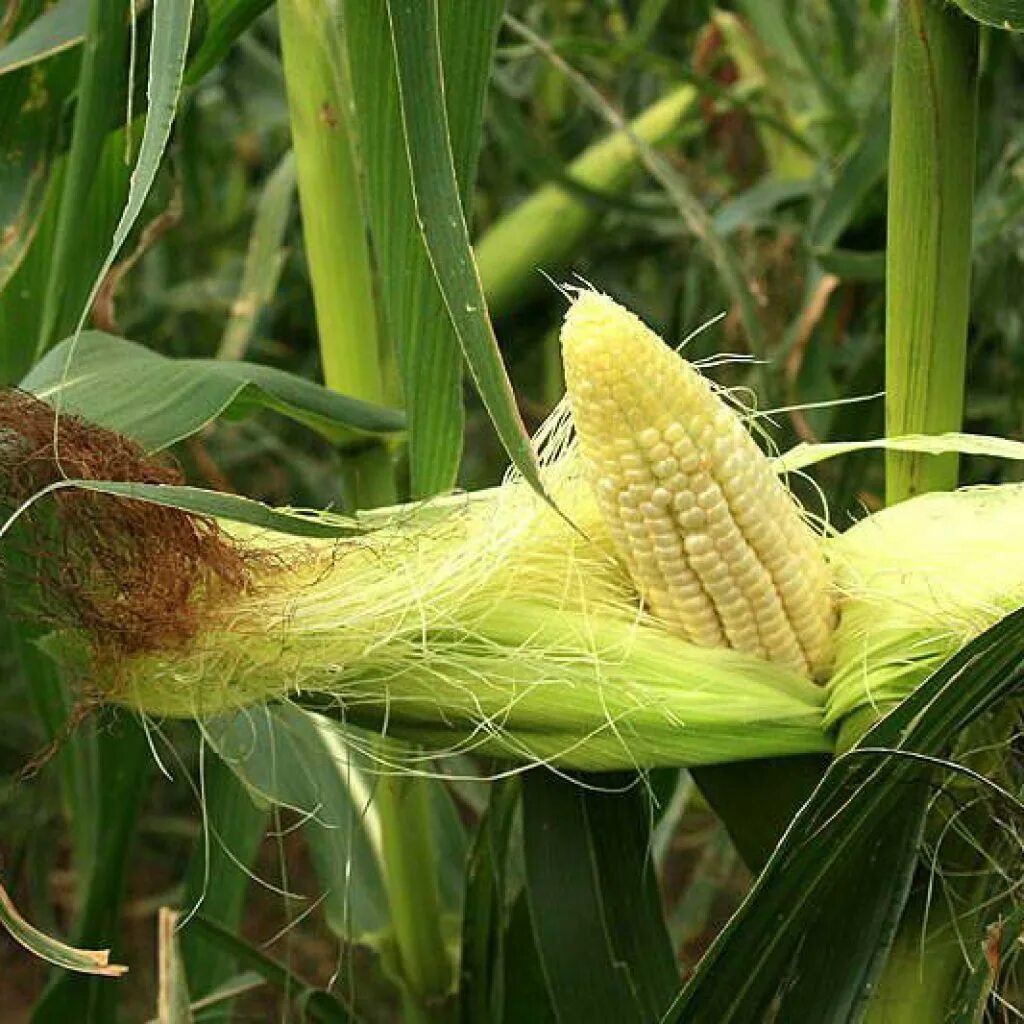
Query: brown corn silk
{"points": [[132, 575]]}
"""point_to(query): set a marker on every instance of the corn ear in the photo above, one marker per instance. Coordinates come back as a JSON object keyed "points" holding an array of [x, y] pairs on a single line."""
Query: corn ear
{"points": [[711, 536], [487, 625]]}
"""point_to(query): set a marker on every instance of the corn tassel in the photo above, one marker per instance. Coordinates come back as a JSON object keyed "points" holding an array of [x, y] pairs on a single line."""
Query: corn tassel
{"points": [[711, 536]]}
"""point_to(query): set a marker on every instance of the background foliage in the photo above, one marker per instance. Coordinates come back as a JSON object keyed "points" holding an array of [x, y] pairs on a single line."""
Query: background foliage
{"points": [[764, 200]]}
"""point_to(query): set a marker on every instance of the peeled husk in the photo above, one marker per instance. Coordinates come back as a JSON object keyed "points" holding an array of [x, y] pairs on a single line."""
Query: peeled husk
{"points": [[485, 623]]}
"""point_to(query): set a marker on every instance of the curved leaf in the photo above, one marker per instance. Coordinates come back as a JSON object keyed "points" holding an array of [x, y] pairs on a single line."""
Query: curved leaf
{"points": [[159, 401], [593, 900], [88, 961], [1006, 14], [218, 505], [415, 36], [55, 30], [844, 837]]}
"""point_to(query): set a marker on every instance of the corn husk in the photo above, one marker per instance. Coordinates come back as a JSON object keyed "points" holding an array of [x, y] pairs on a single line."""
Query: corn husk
{"points": [[487, 624], [917, 582]]}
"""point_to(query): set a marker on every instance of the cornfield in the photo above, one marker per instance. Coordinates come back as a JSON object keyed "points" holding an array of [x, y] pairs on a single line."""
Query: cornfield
{"points": [[511, 512]]}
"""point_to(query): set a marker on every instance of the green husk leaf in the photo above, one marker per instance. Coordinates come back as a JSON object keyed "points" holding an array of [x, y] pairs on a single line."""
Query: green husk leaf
{"points": [[806, 454]]}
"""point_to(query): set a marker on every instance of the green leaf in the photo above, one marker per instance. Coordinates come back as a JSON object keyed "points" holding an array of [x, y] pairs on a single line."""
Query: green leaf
{"points": [[426, 346], [100, 80], [218, 505], [593, 899], [226, 21], [840, 838], [1006, 14], [298, 760], [158, 401], [55, 30], [319, 1006], [88, 961], [263, 259], [416, 41], [806, 453], [217, 879]]}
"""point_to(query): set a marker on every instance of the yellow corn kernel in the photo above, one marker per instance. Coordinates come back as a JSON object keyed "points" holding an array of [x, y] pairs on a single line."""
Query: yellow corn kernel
{"points": [[713, 539]]}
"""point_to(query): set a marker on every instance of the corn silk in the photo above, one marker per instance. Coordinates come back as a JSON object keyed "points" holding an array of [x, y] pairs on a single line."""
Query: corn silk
{"points": [[489, 623]]}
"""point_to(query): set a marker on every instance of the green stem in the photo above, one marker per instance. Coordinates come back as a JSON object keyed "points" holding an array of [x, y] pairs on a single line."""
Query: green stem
{"points": [[928, 275], [928, 263], [918, 982], [335, 235], [406, 823], [333, 221], [101, 54], [410, 878]]}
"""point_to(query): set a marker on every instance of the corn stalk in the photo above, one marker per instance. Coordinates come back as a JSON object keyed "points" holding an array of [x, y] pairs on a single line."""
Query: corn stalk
{"points": [[928, 272], [335, 234], [928, 263]]}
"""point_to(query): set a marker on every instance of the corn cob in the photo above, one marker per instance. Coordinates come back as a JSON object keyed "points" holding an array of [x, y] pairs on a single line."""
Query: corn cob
{"points": [[714, 541]]}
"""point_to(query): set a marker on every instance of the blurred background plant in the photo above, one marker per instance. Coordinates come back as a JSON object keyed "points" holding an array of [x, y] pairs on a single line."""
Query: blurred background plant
{"points": [[759, 192]]}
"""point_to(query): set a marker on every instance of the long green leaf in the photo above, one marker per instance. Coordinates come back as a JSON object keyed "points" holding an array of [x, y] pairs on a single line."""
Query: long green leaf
{"points": [[55, 30], [159, 401], [217, 505], [416, 41], [807, 454], [428, 352], [172, 20], [1006, 14], [99, 83], [593, 900], [843, 826]]}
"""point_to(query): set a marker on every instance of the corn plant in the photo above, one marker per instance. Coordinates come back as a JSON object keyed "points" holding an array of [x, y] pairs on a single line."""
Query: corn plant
{"points": [[467, 734]]}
